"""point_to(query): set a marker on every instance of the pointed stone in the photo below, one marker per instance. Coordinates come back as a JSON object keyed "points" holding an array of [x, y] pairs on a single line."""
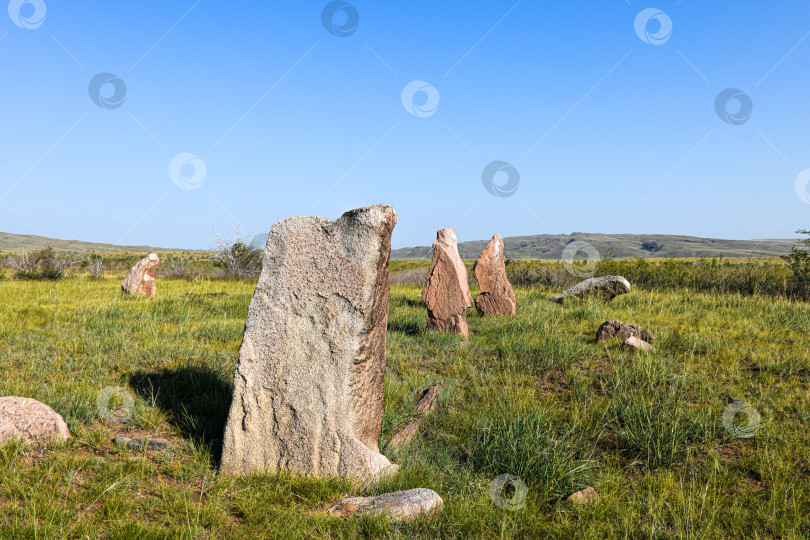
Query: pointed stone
{"points": [[429, 397], [447, 291], [308, 388], [497, 296], [141, 278]]}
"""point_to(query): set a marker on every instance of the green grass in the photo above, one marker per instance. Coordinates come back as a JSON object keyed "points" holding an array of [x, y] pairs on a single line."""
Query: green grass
{"points": [[533, 396]]}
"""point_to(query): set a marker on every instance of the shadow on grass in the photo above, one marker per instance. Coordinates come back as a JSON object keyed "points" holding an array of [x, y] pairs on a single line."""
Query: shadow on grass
{"points": [[197, 400], [410, 328]]}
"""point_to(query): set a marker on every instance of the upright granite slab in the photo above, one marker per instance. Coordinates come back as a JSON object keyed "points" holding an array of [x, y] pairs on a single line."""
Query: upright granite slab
{"points": [[497, 296], [308, 388], [141, 278], [447, 291]]}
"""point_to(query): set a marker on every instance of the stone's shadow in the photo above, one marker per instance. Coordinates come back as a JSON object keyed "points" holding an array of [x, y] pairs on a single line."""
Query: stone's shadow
{"points": [[197, 400], [409, 302], [410, 328]]}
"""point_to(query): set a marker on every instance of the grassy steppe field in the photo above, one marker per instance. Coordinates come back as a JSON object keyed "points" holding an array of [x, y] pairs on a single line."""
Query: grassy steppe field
{"points": [[533, 396]]}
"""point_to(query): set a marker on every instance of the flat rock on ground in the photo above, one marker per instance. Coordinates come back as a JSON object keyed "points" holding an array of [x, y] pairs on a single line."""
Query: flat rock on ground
{"points": [[583, 497], [31, 421], [622, 330], [607, 287], [399, 505], [141, 278], [138, 444], [447, 291], [637, 344], [497, 296], [308, 387]]}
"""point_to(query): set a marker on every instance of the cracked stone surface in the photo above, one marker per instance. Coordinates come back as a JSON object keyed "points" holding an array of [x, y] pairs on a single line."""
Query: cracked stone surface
{"points": [[399, 505], [308, 388], [622, 330]]}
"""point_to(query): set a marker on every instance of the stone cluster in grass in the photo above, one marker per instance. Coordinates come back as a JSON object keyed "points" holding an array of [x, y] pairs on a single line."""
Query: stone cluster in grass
{"points": [[308, 387]]}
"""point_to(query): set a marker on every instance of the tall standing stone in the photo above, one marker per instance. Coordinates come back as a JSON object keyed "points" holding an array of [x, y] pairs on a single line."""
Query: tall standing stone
{"points": [[447, 291], [141, 278], [308, 388], [497, 296]]}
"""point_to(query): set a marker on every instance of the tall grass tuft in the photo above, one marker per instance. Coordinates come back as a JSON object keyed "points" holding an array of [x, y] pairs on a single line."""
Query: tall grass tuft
{"points": [[553, 460], [653, 420]]}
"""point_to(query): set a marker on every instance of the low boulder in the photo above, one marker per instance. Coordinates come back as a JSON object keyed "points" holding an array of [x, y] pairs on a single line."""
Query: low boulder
{"points": [[606, 287], [399, 505], [583, 497], [622, 330], [32, 422]]}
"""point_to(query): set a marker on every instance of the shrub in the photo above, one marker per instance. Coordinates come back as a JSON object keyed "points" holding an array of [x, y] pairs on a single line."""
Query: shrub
{"points": [[177, 266], [96, 265], [237, 257], [43, 264], [798, 261]]}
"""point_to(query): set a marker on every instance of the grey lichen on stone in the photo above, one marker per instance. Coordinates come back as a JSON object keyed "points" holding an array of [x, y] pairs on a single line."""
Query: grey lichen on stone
{"points": [[399, 505], [606, 287]]}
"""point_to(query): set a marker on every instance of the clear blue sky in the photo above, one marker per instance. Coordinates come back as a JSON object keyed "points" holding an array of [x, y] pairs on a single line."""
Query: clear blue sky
{"points": [[608, 133]]}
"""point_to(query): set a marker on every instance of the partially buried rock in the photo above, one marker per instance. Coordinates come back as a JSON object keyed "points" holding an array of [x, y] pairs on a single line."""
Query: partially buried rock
{"points": [[497, 296], [33, 422], [399, 505], [424, 404], [308, 388], [607, 287], [141, 278], [138, 444], [583, 497], [622, 330], [636, 344], [447, 291]]}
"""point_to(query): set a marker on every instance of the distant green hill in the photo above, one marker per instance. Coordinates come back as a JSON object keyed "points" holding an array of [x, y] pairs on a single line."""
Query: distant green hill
{"points": [[14, 242], [551, 246]]}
